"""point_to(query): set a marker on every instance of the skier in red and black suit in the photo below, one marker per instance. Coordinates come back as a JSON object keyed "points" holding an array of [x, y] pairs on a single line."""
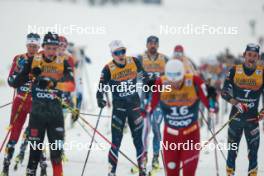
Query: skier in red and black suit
{"points": [[180, 107], [23, 97]]}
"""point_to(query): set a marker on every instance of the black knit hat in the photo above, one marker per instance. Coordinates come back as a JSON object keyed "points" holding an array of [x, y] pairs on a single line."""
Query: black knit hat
{"points": [[51, 39]]}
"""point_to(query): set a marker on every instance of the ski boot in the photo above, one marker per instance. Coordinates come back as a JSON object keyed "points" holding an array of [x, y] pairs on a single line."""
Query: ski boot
{"points": [[43, 164], [111, 174], [143, 172], [135, 169], [230, 171], [31, 172], [155, 162], [43, 168], [9, 151], [155, 166], [5, 171], [17, 161]]}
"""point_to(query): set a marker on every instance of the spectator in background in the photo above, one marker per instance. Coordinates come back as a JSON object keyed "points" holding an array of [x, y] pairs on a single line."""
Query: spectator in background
{"points": [[189, 66]]}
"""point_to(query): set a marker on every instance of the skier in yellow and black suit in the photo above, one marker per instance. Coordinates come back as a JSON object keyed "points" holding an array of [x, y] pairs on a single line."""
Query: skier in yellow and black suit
{"points": [[243, 88], [51, 73], [153, 63], [123, 71]]}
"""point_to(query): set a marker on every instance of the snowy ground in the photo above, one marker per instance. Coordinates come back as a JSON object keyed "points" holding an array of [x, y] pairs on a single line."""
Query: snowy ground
{"points": [[132, 25]]}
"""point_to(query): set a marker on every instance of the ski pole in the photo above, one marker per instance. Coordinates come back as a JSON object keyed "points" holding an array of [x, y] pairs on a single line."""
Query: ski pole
{"points": [[89, 134], [108, 141], [216, 133], [210, 139], [89, 114], [20, 107], [215, 152], [212, 133], [2, 106], [96, 131], [91, 144]]}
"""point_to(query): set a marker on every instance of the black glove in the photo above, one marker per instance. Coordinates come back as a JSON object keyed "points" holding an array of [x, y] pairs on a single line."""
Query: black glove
{"points": [[75, 115], [25, 65], [36, 71], [45, 82], [165, 108], [101, 103]]}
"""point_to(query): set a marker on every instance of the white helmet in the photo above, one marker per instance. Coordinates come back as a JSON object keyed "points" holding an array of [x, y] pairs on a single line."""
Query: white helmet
{"points": [[116, 44], [174, 70]]}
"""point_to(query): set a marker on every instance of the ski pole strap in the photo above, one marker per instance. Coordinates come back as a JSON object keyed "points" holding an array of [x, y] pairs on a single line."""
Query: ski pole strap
{"points": [[212, 132]]}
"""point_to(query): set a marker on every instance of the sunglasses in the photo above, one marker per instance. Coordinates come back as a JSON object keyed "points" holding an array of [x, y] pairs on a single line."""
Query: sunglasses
{"points": [[252, 54], [173, 75], [119, 52], [177, 54]]}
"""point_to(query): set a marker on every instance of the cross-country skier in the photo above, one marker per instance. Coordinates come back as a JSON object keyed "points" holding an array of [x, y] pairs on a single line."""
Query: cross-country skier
{"points": [[153, 63], [51, 73], [180, 107], [22, 98], [242, 88], [123, 71], [189, 66]]}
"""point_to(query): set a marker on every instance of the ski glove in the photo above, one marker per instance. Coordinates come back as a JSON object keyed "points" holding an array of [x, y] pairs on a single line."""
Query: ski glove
{"points": [[101, 103], [242, 107], [46, 83], [36, 71], [24, 65], [75, 115]]}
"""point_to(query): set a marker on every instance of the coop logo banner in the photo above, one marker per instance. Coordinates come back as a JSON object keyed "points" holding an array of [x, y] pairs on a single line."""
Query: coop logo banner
{"points": [[191, 29], [68, 29]]}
